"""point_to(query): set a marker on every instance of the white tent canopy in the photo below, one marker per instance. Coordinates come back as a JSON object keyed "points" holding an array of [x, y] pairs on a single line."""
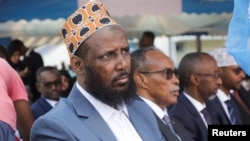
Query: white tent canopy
{"points": [[163, 17], [213, 24], [160, 16]]}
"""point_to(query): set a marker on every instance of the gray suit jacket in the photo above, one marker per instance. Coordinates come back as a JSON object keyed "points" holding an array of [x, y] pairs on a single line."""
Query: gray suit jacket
{"points": [[75, 119], [142, 115]]}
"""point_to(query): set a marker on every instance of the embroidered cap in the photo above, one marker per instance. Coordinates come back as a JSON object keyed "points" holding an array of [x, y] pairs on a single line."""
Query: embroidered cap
{"points": [[222, 57], [83, 23]]}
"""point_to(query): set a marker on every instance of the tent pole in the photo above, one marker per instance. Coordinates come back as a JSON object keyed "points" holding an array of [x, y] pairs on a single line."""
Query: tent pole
{"points": [[198, 42]]}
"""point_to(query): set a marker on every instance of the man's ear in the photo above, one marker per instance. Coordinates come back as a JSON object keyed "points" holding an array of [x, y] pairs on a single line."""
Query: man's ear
{"points": [[140, 80], [77, 65], [194, 79]]}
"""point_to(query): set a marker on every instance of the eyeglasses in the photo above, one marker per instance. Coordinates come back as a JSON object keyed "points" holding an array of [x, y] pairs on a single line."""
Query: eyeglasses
{"points": [[49, 85], [215, 75], [168, 72]]}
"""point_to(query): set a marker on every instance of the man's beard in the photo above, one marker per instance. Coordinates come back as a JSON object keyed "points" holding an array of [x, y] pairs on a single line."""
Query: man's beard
{"points": [[95, 85]]}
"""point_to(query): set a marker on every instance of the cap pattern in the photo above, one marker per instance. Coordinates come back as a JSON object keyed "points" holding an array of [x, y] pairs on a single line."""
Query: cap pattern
{"points": [[83, 23]]}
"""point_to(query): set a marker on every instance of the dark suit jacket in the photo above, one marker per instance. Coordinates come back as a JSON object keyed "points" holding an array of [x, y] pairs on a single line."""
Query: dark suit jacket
{"points": [[245, 97], [215, 108], [40, 107], [153, 124], [185, 112]]}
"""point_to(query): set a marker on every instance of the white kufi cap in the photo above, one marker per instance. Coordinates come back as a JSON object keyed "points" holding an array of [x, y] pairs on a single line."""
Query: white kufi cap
{"points": [[222, 57]]}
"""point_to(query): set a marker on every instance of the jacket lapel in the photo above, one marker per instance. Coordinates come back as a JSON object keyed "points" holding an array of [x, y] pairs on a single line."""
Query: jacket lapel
{"points": [[193, 112], [142, 118], [44, 104], [90, 116]]}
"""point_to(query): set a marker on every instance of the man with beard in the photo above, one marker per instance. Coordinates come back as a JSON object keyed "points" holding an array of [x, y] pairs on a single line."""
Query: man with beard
{"points": [[224, 106], [200, 78], [95, 109], [157, 86]]}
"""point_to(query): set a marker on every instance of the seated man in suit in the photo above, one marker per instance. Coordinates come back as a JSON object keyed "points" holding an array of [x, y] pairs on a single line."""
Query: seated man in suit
{"points": [[200, 78], [157, 87], [232, 76], [95, 108], [49, 85]]}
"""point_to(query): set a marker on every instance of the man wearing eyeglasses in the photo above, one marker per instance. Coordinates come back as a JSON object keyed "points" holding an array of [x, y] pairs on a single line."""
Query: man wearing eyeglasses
{"points": [[49, 85], [224, 106], [199, 75], [156, 84]]}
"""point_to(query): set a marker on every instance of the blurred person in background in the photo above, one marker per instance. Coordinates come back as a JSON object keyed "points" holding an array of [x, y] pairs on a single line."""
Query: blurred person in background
{"points": [[30, 61], [15, 113], [50, 86], [67, 82], [147, 39], [4, 53], [14, 60]]}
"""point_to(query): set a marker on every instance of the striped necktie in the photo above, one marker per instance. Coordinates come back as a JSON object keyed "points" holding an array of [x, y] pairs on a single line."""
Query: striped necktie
{"points": [[168, 122], [231, 111]]}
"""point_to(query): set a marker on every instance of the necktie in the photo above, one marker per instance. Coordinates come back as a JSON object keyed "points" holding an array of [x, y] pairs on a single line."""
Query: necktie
{"points": [[231, 111], [206, 116], [170, 125]]}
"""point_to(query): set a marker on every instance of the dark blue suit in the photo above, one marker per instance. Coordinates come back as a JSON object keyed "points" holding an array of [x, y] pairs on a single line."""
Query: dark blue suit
{"points": [[186, 113], [215, 108], [40, 107]]}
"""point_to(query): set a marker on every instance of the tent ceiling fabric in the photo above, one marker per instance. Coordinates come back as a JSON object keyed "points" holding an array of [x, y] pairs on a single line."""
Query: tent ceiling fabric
{"points": [[161, 16], [214, 24], [34, 27], [15, 10], [53, 9], [120, 8]]}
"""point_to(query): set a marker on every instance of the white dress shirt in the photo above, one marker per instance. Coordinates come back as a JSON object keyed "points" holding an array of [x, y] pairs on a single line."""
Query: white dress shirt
{"points": [[117, 120], [157, 110], [51, 102], [223, 98], [198, 106]]}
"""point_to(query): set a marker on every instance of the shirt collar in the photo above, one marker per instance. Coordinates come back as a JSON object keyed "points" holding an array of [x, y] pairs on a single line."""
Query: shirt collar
{"points": [[157, 110], [51, 102], [103, 109], [222, 96], [199, 106]]}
